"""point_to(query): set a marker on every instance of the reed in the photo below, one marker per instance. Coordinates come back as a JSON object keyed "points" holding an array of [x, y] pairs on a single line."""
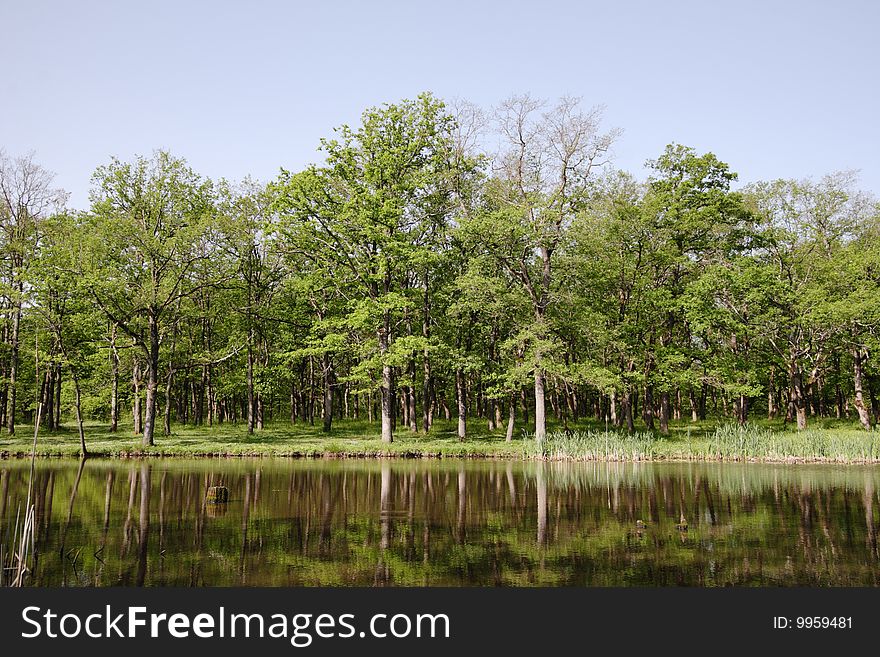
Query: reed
{"points": [[729, 442], [740, 443], [17, 552], [592, 445]]}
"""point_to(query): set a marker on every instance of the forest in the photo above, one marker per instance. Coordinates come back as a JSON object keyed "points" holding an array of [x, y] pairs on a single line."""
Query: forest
{"points": [[442, 262]]}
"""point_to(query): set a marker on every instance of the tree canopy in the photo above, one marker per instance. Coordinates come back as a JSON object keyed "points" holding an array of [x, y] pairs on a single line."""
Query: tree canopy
{"points": [[441, 262]]}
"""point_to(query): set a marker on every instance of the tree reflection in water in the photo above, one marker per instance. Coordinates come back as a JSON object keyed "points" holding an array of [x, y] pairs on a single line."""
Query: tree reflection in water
{"points": [[429, 523]]}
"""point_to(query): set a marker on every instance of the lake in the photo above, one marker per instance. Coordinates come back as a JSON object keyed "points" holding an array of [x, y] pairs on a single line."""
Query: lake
{"points": [[446, 523]]}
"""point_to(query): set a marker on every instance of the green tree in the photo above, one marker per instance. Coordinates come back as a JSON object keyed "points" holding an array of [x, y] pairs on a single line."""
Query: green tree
{"points": [[369, 205], [148, 218], [697, 221], [806, 225], [245, 215], [542, 165], [66, 309], [609, 281], [27, 197]]}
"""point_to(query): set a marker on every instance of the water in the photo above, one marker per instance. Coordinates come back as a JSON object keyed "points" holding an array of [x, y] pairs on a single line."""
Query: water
{"points": [[447, 523]]}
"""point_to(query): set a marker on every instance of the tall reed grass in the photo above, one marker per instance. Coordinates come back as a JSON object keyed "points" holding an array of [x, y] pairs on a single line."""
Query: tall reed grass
{"points": [[727, 443], [16, 554], [592, 445], [749, 442], [17, 550]]}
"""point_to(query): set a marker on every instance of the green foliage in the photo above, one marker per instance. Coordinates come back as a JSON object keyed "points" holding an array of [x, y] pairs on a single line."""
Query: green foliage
{"points": [[413, 276]]}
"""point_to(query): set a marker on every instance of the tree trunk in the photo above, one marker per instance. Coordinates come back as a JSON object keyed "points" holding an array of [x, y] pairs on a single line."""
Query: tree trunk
{"points": [[77, 404], [387, 400], [58, 396], [427, 396], [327, 367], [312, 397], [202, 401], [250, 381], [664, 413], [772, 410], [797, 396], [41, 404], [540, 418], [209, 384], [261, 402], [858, 377], [166, 417], [461, 397], [427, 385], [387, 403], [648, 411], [152, 382], [136, 402], [47, 397], [411, 411], [4, 376], [704, 391], [13, 361], [741, 408], [627, 406], [511, 417], [114, 381]]}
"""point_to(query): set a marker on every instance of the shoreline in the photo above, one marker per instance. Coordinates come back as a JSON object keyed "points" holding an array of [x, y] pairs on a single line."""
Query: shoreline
{"points": [[705, 443], [412, 455]]}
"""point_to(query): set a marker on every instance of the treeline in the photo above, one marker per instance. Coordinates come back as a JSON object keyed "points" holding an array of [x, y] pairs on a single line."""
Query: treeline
{"points": [[441, 262]]}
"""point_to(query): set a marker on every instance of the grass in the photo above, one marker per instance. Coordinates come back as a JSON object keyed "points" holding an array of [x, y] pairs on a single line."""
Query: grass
{"points": [[759, 443], [348, 438], [829, 441], [726, 443], [592, 445]]}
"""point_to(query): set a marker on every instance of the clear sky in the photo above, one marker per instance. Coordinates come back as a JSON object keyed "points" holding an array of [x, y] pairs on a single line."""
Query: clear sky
{"points": [[777, 89]]}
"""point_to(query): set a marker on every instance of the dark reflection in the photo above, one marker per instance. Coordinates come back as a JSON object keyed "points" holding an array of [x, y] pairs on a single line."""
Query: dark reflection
{"points": [[143, 526], [431, 523], [385, 506], [541, 485]]}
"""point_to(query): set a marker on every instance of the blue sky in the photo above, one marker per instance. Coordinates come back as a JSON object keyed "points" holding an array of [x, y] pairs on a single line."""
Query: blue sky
{"points": [[777, 89]]}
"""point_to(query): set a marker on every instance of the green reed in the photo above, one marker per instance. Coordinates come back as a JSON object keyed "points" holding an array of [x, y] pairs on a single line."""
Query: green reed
{"points": [[589, 445], [750, 442]]}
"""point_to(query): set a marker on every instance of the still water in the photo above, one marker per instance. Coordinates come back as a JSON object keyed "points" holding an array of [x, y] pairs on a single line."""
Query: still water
{"points": [[447, 523]]}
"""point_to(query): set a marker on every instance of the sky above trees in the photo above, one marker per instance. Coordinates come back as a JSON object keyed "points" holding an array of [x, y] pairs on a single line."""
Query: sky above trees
{"points": [[781, 89]]}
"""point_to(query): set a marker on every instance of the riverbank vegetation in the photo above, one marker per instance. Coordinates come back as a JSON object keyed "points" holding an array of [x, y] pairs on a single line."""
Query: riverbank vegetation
{"points": [[834, 442], [446, 273]]}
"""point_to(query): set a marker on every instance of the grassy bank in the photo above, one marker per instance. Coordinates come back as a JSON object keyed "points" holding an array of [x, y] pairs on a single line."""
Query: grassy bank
{"points": [[348, 438], [834, 442]]}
